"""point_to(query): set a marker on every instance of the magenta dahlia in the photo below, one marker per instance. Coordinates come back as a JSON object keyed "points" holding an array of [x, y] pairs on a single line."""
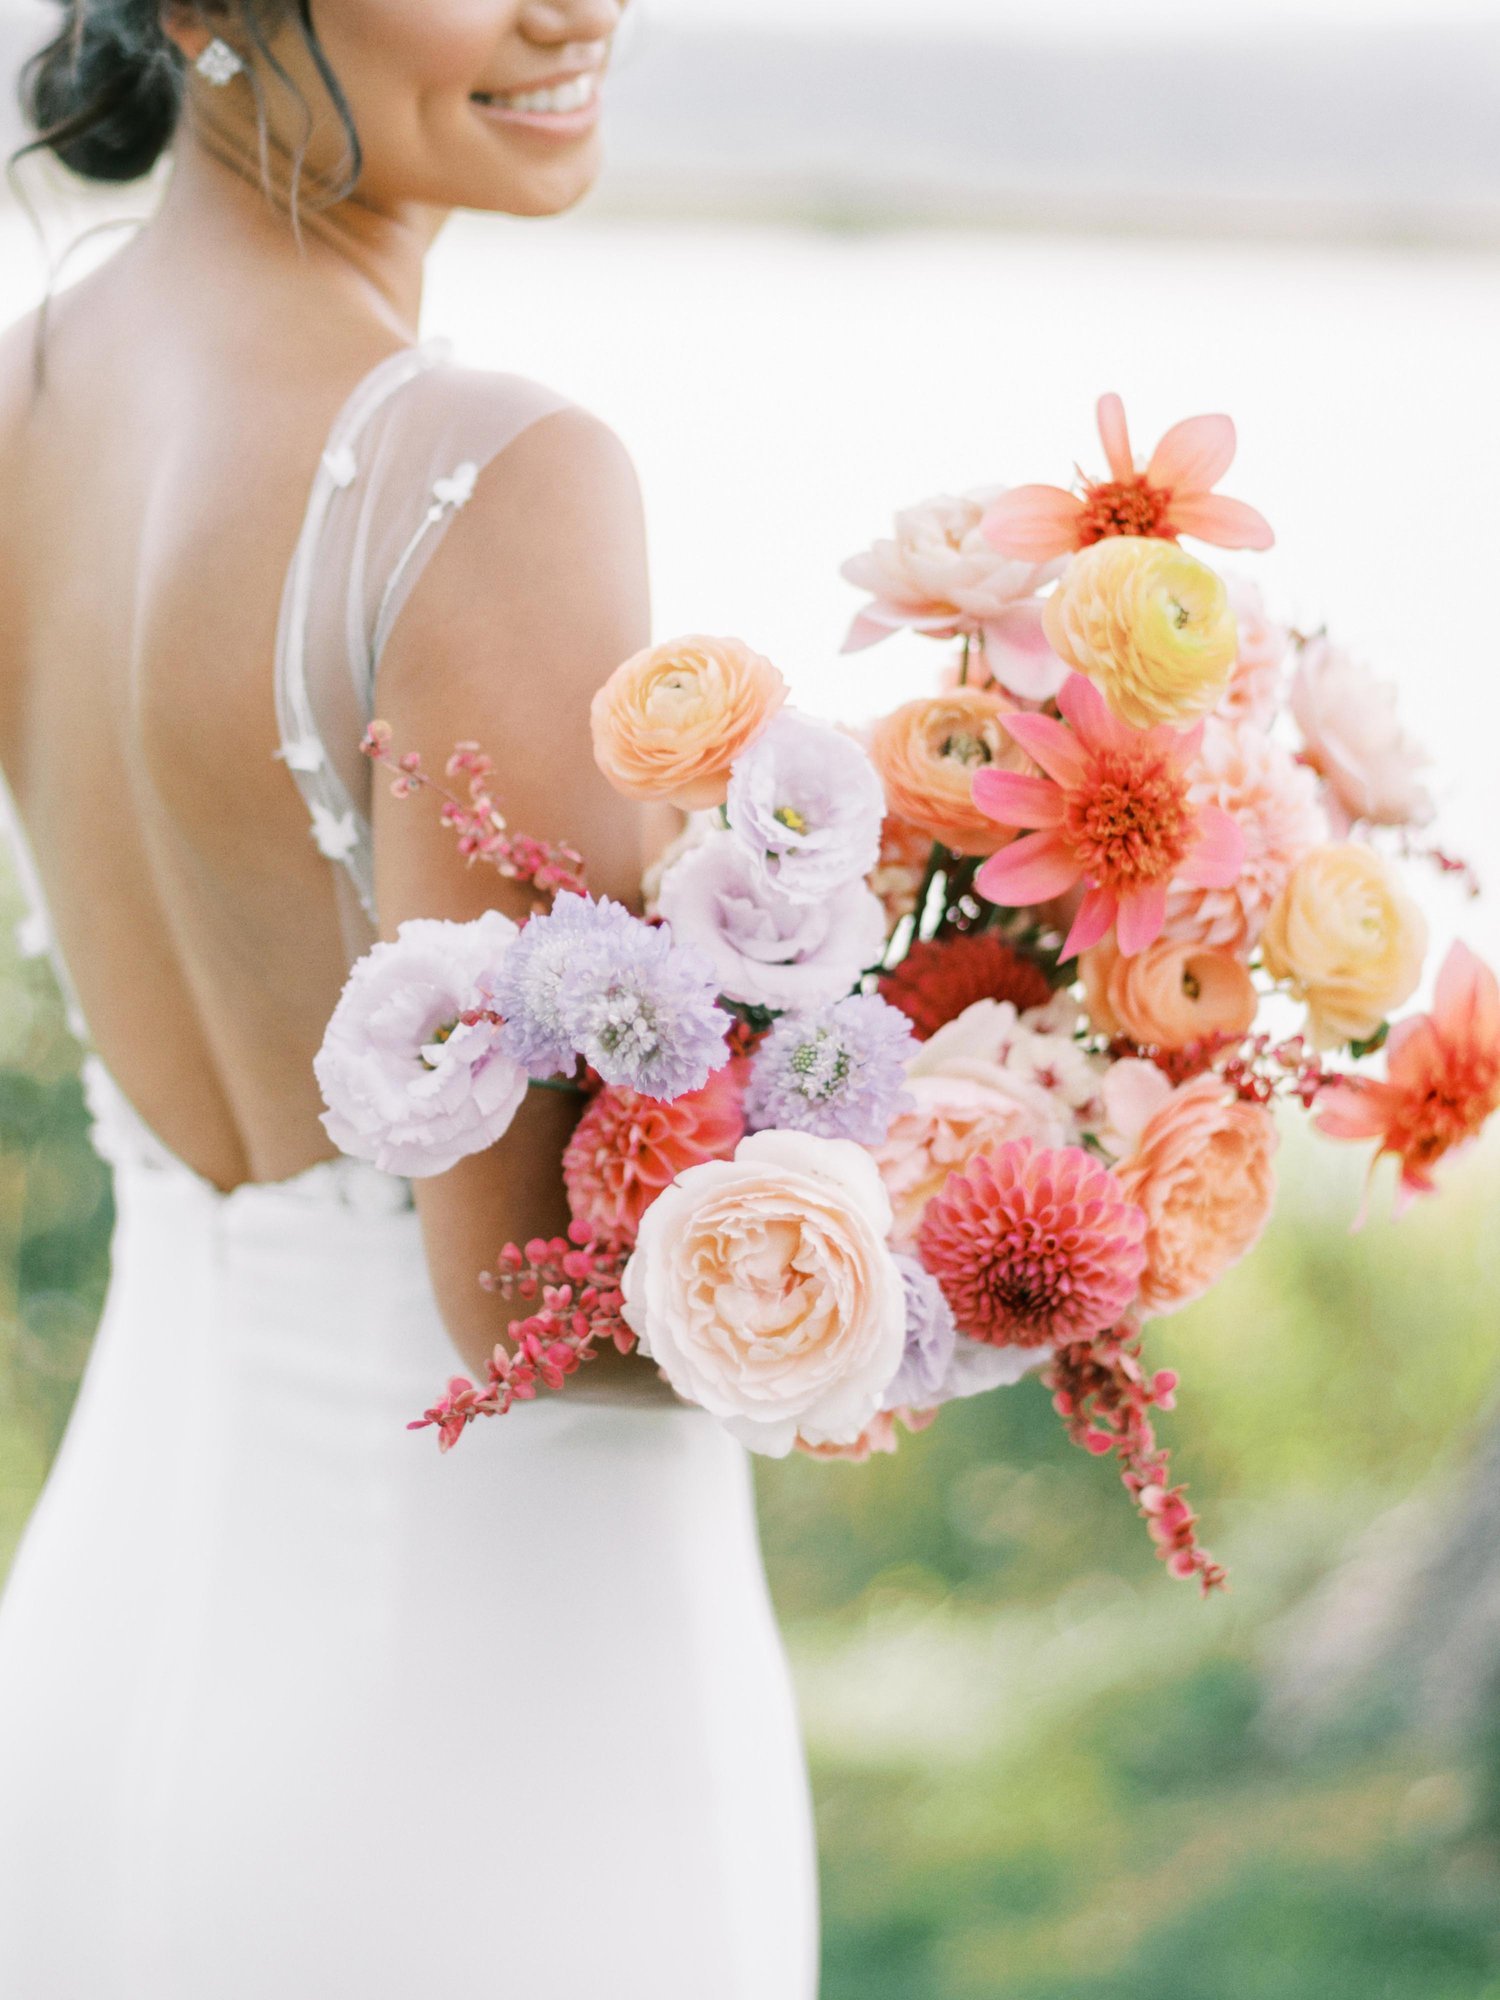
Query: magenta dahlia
{"points": [[1034, 1246]]}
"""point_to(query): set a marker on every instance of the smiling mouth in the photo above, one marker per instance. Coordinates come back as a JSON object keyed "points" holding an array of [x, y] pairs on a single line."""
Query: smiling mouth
{"points": [[577, 94]]}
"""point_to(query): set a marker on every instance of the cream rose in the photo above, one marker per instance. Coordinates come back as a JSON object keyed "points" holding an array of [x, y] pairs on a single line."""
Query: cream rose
{"points": [[1149, 624], [669, 722], [1348, 940], [763, 1289], [1204, 1177], [951, 1121]]}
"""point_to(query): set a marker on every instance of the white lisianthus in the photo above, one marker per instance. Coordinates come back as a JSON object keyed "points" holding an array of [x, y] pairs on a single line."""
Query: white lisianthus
{"points": [[411, 1085], [767, 949], [763, 1289]]}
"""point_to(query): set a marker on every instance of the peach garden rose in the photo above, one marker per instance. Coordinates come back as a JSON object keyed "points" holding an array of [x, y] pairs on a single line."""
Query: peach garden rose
{"points": [[1347, 939], [670, 722], [763, 1289], [1203, 1174]]}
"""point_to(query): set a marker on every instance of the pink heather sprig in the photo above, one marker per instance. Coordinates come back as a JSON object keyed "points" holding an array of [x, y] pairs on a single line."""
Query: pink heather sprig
{"points": [[477, 822], [576, 1278], [1445, 864], [1257, 1068], [1105, 1396]]}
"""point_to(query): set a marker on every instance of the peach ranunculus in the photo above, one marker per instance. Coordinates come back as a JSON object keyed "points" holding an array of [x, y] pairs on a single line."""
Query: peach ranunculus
{"points": [[1347, 939], [940, 575], [927, 752], [1354, 740], [1203, 1173], [952, 1119], [669, 723], [1150, 625], [1168, 996], [763, 1289]]}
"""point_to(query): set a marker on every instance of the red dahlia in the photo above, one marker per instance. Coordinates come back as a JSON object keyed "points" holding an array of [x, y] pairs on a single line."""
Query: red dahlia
{"points": [[938, 978]]}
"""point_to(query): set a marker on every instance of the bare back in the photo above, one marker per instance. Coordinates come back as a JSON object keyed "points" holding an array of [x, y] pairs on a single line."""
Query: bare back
{"points": [[162, 477]]}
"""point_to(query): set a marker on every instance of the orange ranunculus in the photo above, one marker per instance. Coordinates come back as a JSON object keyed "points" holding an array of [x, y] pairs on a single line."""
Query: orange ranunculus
{"points": [[927, 752], [669, 722], [1169, 995], [1203, 1173]]}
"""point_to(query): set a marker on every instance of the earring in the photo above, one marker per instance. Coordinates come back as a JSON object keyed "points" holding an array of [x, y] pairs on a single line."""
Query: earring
{"points": [[219, 64]]}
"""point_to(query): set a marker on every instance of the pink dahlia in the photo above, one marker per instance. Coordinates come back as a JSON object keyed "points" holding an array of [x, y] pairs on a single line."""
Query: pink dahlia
{"points": [[1114, 812], [1034, 1246], [1442, 1078], [1171, 497], [1273, 800], [627, 1148]]}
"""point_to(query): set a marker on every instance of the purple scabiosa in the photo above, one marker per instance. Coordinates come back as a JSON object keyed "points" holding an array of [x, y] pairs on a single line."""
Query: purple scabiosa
{"points": [[589, 979], [839, 1073]]}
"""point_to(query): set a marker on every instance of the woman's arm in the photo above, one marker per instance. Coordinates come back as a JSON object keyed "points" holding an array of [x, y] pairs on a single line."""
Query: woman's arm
{"points": [[537, 594]]}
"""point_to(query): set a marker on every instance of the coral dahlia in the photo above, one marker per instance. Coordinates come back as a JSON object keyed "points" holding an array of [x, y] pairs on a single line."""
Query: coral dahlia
{"points": [[626, 1147], [1171, 497], [1115, 811], [940, 977], [1442, 1078], [1034, 1246]]}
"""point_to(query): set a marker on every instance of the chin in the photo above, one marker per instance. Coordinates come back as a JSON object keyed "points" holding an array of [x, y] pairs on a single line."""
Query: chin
{"points": [[544, 188]]}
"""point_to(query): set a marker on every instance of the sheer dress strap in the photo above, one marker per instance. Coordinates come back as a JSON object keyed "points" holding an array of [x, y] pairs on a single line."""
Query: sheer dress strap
{"points": [[401, 462]]}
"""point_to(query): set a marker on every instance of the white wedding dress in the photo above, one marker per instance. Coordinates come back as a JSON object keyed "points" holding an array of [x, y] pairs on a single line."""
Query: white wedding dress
{"points": [[293, 1706]]}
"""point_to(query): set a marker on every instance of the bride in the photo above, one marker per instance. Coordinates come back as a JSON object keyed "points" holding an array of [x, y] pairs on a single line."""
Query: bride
{"points": [[290, 1705]]}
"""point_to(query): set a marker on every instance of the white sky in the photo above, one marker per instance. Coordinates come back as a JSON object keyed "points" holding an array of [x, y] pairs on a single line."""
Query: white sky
{"points": [[1067, 17]]}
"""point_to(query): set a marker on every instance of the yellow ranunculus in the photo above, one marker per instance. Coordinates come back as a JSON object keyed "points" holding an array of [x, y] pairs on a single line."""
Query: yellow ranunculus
{"points": [[1149, 624], [1347, 938]]}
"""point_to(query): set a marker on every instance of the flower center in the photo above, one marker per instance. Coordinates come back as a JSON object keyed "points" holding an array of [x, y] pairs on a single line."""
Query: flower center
{"points": [[1133, 823], [821, 1067], [1123, 507], [1030, 1281], [791, 819], [962, 748], [1192, 985]]}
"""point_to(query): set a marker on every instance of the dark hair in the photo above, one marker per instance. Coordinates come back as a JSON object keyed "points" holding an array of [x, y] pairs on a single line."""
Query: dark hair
{"points": [[105, 93]]}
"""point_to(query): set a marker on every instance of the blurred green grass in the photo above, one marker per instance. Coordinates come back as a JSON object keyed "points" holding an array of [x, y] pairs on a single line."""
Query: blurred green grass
{"points": [[1044, 1771]]}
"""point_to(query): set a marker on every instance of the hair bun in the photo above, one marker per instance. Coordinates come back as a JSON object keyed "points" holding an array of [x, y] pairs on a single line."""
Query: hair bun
{"points": [[105, 93]]}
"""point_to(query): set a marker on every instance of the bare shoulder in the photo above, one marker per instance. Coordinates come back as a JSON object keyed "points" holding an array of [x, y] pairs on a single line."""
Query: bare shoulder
{"points": [[547, 560], [535, 597]]}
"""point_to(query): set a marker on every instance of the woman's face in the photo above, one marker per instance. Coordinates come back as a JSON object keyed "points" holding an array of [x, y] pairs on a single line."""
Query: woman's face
{"points": [[485, 104]]}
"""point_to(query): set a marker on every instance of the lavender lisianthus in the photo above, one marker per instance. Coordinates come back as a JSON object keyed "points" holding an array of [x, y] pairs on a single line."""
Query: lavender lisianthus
{"points": [[412, 1067], [766, 949], [930, 1340], [806, 802], [589, 979], [839, 1073]]}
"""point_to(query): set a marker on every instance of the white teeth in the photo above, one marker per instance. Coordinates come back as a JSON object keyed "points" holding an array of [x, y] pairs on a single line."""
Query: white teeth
{"points": [[572, 96]]}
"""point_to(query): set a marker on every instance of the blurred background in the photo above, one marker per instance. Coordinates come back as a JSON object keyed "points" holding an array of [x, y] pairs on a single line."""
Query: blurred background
{"points": [[849, 253]]}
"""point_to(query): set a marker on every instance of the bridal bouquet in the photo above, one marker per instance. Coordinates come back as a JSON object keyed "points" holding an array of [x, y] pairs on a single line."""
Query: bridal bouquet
{"points": [[948, 1048]]}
